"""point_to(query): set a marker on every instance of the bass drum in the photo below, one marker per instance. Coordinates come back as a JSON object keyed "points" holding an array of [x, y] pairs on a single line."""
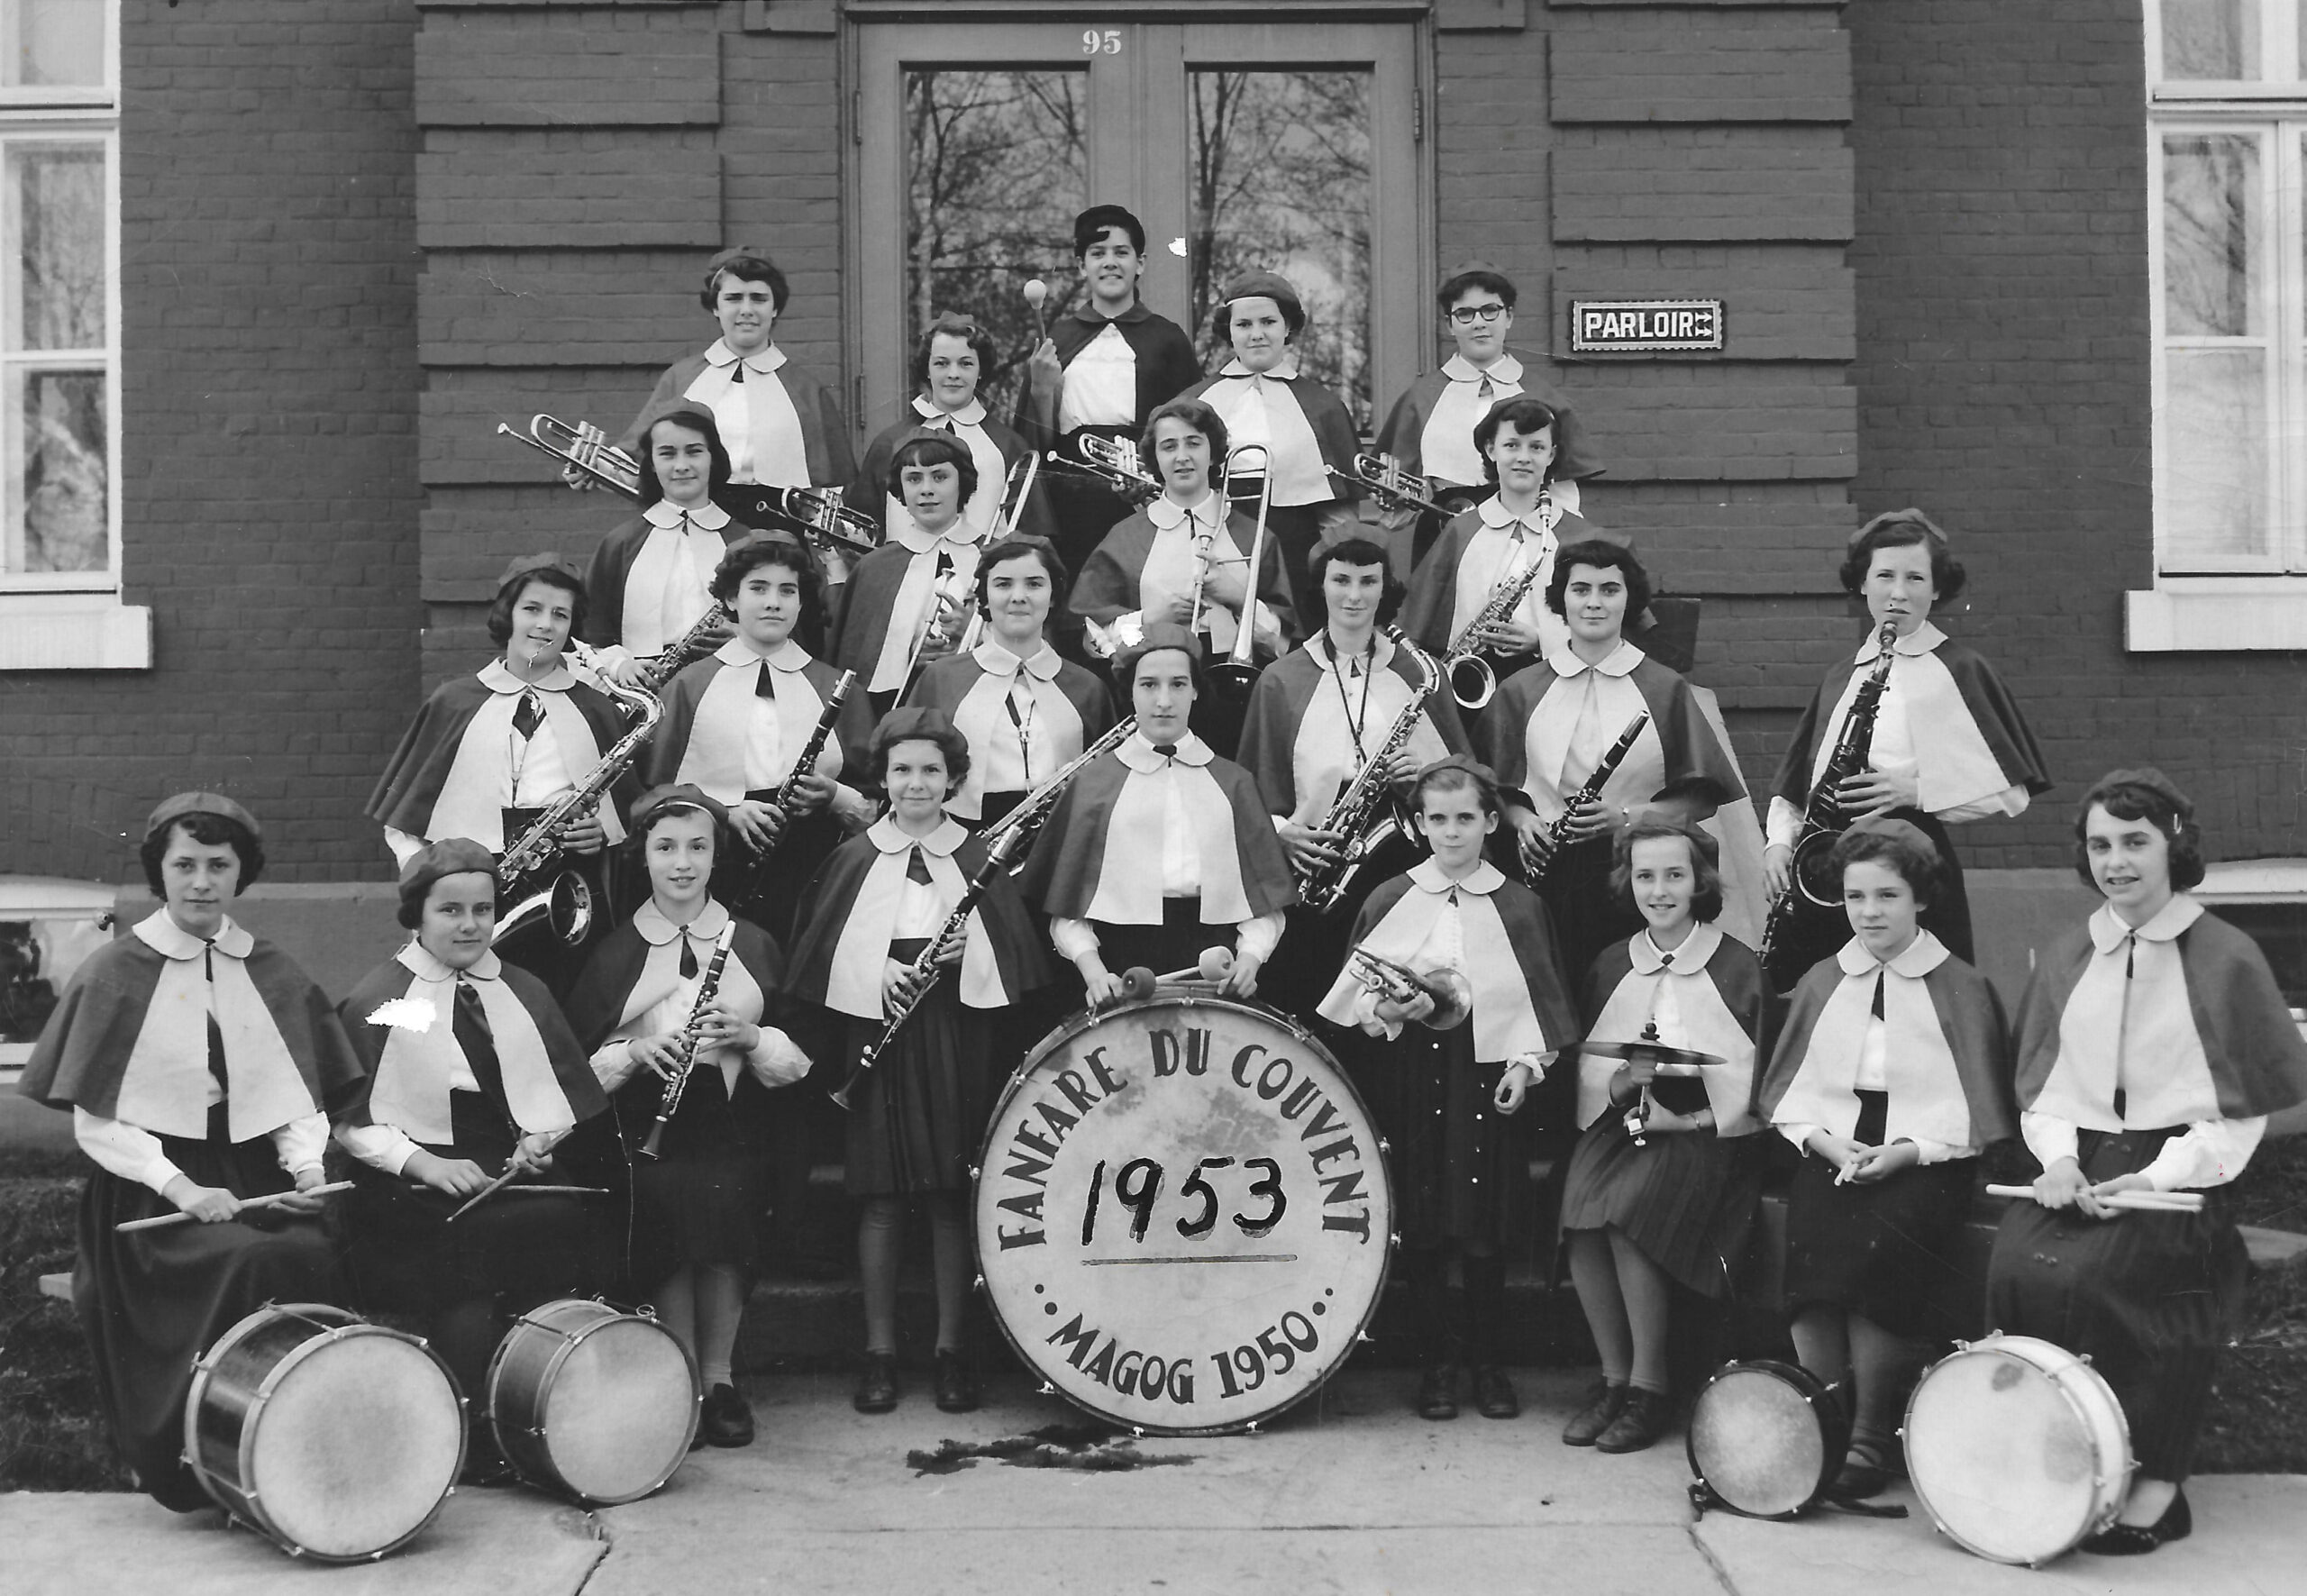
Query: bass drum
{"points": [[1183, 1213], [1767, 1439], [2017, 1448], [336, 1437], [592, 1402]]}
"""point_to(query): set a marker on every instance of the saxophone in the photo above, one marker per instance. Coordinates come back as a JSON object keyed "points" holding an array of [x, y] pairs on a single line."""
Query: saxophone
{"points": [[1464, 656], [530, 874], [1357, 814], [1033, 811], [1535, 872], [1810, 889]]}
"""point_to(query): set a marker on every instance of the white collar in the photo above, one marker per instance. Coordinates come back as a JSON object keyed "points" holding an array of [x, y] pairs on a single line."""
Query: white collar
{"points": [[159, 932], [892, 838], [1504, 368], [1922, 641], [1167, 513], [1924, 954], [1483, 880], [666, 516], [1619, 661], [497, 678], [1498, 518], [2110, 931], [657, 930], [994, 658], [423, 963], [720, 356], [1138, 753], [1697, 948], [790, 657], [1285, 371], [970, 414], [910, 532], [1324, 649]]}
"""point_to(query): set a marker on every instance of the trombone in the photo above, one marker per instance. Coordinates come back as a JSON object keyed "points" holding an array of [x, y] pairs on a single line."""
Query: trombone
{"points": [[1238, 672], [584, 446], [948, 597], [1016, 489]]}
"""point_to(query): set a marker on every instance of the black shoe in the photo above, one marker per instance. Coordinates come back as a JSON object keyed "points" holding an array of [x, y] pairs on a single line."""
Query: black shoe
{"points": [[1437, 1392], [1865, 1473], [2132, 1540], [956, 1382], [877, 1386], [1494, 1393], [726, 1420], [1639, 1422], [1602, 1405]]}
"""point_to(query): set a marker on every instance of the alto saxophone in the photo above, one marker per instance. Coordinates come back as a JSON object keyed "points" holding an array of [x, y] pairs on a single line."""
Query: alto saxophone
{"points": [[1465, 652], [529, 873], [1357, 814]]}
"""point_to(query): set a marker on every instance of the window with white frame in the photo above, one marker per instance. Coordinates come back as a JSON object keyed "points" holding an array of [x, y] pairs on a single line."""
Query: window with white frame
{"points": [[60, 313], [2227, 148]]}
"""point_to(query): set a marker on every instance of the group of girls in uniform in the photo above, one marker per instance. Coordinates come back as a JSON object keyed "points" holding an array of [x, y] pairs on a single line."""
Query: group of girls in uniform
{"points": [[823, 861]]}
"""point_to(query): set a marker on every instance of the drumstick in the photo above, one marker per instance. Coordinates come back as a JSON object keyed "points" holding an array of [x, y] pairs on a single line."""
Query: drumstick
{"points": [[161, 1221], [1037, 291], [2172, 1202]]}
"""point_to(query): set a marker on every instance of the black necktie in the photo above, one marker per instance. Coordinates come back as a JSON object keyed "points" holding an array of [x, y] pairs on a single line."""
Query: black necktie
{"points": [[765, 684], [688, 957], [1877, 1010], [916, 869], [1166, 749], [215, 1031], [526, 715], [469, 1023], [2130, 955], [737, 372]]}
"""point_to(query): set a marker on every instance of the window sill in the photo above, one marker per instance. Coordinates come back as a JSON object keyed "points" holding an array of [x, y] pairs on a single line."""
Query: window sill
{"points": [[73, 632], [2217, 614]]}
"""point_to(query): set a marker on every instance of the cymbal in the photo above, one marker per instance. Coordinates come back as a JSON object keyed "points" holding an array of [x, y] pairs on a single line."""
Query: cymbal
{"points": [[1665, 1060]]}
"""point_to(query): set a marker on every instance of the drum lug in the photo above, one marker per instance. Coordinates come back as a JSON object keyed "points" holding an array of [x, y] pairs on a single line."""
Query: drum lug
{"points": [[1363, 1338], [973, 1170], [1048, 1389], [980, 1284], [1384, 1146]]}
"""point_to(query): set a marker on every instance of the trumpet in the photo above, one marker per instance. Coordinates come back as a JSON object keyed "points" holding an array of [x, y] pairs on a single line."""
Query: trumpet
{"points": [[1113, 462], [1386, 478], [1473, 679], [1447, 985], [1234, 675], [584, 446], [832, 525]]}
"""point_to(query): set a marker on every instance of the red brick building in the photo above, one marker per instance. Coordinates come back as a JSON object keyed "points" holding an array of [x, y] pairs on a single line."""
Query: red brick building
{"points": [[2033, 268]]}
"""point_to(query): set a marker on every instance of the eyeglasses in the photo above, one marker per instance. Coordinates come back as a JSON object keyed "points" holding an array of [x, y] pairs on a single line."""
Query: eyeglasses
{"points": [[1466, 315]]}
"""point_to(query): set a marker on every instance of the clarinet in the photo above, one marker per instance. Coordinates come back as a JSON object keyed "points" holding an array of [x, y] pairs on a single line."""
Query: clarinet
{"points": [[669, 1103], [692, 645], [1558, 833], [925, 971], [754, 880]]}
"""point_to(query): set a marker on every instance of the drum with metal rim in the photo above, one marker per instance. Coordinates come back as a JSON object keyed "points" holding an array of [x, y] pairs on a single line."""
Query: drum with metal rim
{"points": [[1183, 1213], [1767, 1439], [592, 1402], [338, 1438], [2017, 1448]]}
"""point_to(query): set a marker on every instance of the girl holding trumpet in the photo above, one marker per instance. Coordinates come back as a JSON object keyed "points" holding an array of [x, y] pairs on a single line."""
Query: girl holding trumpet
{"points": [[1184, 561], [1444, 1096], [949, 361], [643, 1011], [908, 600], [1891, 1074], [651, 580], [2152, 1043], [915, 1122]]}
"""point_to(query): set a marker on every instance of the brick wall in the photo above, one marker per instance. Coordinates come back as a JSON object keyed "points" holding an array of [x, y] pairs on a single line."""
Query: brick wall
{"points": [[269, 413], [2003, 386]]}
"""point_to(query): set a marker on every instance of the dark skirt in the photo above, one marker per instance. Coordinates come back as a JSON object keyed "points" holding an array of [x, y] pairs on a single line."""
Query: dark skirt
{"points": [[1587, 915], [152, 1302], [1456, 1162], [1888, 1250], [916, 1122], [1176, 943], [2150, 1298], [702, 1200], [1686, 1201], [767, 889]]}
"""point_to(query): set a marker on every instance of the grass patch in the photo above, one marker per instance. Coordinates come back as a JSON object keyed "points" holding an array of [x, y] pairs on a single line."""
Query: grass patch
{"points": [[51, 1438]]}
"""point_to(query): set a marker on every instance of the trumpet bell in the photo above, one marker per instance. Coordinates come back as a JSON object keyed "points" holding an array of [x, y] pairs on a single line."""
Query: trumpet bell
{"points": [[1472, 682]]}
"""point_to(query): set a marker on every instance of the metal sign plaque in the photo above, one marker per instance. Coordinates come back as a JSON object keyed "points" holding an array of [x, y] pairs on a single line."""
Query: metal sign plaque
{"points": [[1645, 327]]}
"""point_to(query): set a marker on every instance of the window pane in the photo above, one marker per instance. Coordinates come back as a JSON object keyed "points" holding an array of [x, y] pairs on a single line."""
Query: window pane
{"points": [[2214, 40], [52, 44], [37, 957], [61, 474], [997, 167], [56, 210], [1280, 182], [2213, 497], [2211, 187]]}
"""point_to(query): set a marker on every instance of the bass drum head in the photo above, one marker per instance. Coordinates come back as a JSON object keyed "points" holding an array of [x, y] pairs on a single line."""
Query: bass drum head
{"points": [[1765, 1437], [355, 1444], [2017, 1448], [1182, 1214], [620, 1410]]}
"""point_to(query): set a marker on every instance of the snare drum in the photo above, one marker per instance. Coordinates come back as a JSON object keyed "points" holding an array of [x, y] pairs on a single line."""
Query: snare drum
{"points": [[592, 1402], [2017, 1448], [1182, 1214], [336, 1437], [1767, 1439]]}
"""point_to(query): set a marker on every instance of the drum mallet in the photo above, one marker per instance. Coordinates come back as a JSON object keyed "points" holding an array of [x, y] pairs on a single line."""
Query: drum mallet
{"points": [[2157, 1202], [1036, 293]]}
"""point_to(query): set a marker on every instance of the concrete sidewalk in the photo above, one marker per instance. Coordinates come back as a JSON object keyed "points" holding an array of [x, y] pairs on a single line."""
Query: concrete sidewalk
{"points": [[1355, 1495]]}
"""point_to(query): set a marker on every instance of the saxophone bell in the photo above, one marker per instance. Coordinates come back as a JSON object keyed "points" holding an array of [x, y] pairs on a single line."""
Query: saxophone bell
{"points": [[1472, 682], [565, 906]]}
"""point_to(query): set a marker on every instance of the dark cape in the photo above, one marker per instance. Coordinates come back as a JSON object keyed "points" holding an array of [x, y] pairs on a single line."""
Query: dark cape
{"points": [[1403, 436], [867, 491], [611, 563], [412, 778], [1324, 413], [1108, 585], [825, 435], [1166, 365], [1433, 598]]}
